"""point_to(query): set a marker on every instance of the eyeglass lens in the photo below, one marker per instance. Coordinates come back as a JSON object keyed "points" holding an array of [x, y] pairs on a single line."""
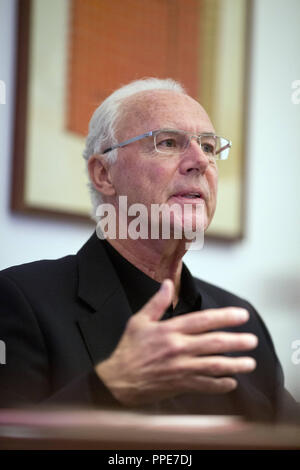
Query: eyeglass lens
{"points": [[170, 142]]}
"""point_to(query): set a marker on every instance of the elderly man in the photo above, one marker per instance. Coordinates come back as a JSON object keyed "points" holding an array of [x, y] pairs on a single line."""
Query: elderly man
{"points": [[123, 323]]}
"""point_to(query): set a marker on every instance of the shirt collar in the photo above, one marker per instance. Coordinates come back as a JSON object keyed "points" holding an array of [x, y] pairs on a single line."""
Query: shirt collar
{"points": [[139, 287]]}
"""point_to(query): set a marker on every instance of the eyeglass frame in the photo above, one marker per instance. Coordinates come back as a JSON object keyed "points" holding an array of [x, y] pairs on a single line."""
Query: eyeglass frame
{"points": [[153, 133]]}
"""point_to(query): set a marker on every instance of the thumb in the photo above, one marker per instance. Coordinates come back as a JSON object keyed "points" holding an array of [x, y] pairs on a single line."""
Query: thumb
{"points": [[157, 305]]}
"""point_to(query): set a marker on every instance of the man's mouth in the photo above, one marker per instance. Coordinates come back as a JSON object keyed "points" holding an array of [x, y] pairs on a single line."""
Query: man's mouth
{"points": [[191, 195], [195, 196]]}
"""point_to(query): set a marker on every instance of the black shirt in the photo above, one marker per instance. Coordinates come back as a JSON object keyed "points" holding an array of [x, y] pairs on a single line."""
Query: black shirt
{"points": [[139, 288]]}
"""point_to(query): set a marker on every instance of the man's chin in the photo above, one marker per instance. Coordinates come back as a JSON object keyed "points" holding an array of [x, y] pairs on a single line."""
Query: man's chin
{"points": [[189, 227]]}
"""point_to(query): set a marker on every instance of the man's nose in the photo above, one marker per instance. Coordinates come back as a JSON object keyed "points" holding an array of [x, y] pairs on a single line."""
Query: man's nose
{"points": [[194, 160]]}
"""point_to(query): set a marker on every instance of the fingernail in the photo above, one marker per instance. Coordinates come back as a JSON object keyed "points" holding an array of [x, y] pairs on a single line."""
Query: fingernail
{"points": [[250, 363], [164, 285], [242, 314], [253, 340]]}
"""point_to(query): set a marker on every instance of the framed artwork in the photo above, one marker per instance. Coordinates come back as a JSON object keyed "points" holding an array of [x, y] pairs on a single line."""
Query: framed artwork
{"points": [[73, 53]]}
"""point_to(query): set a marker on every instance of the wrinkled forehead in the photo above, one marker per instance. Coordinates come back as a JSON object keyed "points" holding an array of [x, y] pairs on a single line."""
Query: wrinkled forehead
{"points": [[157, 109]]}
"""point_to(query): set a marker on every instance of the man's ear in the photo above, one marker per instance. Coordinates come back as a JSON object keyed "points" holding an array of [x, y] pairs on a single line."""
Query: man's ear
{"points": [[98, 170]]}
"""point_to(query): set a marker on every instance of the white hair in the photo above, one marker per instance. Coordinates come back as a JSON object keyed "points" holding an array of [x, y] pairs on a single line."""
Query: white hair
{"points": [[102, 124]]}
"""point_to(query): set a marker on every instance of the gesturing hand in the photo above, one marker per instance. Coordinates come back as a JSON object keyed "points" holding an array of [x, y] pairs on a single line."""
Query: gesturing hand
{"points": [[156, 360]]}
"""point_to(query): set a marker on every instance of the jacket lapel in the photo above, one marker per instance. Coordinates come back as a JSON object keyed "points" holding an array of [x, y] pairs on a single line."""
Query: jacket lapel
{"points": [[100, 288]]}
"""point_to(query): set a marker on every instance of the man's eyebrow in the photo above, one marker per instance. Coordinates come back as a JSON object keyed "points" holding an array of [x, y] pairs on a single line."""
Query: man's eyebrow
{"points": [[174, 129], [207, 133]]}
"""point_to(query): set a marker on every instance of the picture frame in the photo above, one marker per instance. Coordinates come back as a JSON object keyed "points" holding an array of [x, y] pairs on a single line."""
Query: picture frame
{"points": [[49, 177]]}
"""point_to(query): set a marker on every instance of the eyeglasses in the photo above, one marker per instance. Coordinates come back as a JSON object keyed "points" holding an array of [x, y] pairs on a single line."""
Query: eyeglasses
{"points": [[176, 142]]}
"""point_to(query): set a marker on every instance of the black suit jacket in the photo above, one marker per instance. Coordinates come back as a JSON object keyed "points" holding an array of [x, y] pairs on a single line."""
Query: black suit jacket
{"points": [[59, 318]]}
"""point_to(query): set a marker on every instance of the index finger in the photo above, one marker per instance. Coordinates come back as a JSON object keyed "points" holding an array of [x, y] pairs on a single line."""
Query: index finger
{"points": [[205, 320]]}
